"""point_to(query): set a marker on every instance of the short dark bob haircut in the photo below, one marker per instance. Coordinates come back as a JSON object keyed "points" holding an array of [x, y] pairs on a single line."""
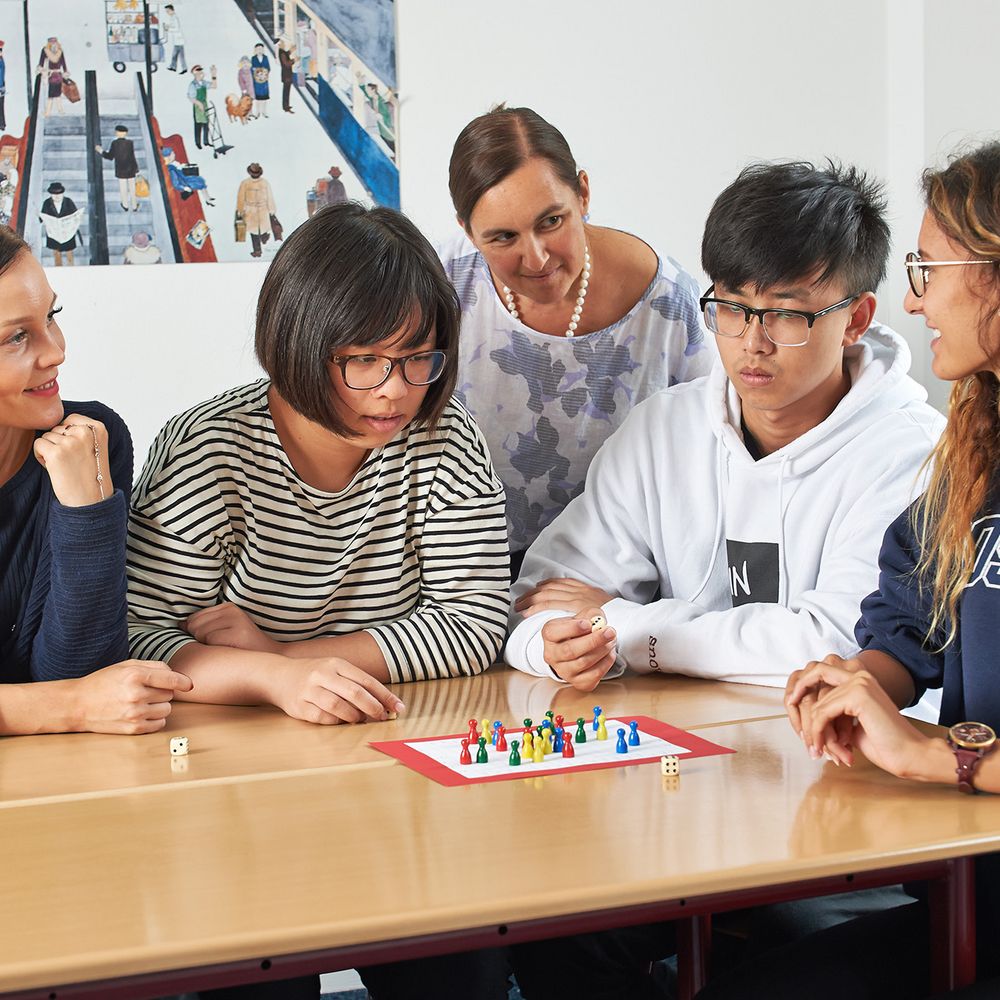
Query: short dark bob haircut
{"points": [[783, 222], [352, 277], [491, 147]]}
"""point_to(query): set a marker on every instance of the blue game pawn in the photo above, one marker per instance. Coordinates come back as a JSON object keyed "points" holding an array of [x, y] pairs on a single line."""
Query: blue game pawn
{"points": [[496, 732], [633, 736], [622, 746], [597, 712], [557, 743]]}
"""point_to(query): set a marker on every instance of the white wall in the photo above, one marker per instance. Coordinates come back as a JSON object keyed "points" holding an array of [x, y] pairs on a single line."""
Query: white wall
{"points": [[662, 101]]}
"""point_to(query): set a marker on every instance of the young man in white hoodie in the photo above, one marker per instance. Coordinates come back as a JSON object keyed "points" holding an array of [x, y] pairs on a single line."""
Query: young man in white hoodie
{"points": [[731, 526]]}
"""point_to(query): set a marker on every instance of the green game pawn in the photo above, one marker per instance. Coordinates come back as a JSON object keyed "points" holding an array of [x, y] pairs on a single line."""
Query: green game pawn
{"points": [[581, 732], [515, 755], [482, 757], [551, 716], [527, 723]]}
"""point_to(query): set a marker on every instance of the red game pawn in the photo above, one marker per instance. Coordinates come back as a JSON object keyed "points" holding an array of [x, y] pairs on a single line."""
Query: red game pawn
{"points": [[559, 722], [502, 738], [466, 757], [568, 750], [473, 732]]}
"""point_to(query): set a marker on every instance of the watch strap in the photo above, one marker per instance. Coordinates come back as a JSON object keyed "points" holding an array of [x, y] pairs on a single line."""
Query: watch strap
{"points": [[967, 761]]}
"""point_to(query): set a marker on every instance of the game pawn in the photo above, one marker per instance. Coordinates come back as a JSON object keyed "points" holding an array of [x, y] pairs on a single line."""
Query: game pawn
{"points": [[560, 722], [550, 715], [527, 723], [567, 748], [621, 746], [597, 714], [465, 757], [527, 746], [557, 743], [602, 729], [538, 754], [482, 757], [487, 730], [501, 743], [497, 726], [473, 732], [515, 756], [581, 731], [633, 736]]}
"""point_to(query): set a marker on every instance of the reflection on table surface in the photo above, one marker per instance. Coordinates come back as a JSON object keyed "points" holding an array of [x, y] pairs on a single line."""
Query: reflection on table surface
{"points": [[229, 742], [171, 876]]}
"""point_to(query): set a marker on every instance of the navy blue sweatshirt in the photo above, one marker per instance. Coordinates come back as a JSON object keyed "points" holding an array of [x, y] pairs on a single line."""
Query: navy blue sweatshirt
{"points": [[895, 620], [62, 569]]}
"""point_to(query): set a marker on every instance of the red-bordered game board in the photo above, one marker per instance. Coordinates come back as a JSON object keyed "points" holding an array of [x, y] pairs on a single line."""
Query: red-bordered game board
{"points": [[437, 757]]}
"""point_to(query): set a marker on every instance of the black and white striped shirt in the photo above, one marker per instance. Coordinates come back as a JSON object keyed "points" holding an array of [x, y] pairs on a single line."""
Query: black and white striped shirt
{"points": [[413, 550]]}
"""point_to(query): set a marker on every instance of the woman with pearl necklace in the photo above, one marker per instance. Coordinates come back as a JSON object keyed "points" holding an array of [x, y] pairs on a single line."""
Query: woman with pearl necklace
{"points": [[565, 325]]}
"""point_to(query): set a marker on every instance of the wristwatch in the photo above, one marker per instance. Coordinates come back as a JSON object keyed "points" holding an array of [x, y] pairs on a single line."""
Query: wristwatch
{"points": [[971, 741]]}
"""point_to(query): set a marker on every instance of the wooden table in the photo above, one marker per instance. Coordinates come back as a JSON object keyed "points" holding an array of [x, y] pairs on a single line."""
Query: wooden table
{"points": [[277, 848]]}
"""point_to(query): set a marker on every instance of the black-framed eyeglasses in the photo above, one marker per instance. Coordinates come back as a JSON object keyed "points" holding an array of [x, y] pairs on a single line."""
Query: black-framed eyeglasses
{"points": [[783, 327], [919, 271], [369, 371]]}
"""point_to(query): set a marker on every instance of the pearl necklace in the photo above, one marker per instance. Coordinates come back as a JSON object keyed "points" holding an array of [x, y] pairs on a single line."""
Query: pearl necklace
{"points": [[580, 298]]}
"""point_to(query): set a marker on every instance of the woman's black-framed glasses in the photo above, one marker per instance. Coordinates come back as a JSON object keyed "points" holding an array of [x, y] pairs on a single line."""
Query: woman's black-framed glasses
{"points": [[783, 327], [919, 271], [369, 371]]}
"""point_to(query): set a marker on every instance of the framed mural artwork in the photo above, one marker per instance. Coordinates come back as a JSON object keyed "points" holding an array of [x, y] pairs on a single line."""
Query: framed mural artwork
{"points": [[147, 131]]}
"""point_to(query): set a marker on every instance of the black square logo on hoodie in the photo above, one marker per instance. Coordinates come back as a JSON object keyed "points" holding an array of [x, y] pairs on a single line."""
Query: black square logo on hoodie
{"points": [[753, 572]]}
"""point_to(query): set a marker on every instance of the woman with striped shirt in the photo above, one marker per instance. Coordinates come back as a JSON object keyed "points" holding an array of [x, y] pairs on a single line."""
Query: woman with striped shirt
{"points": [[304, 539]]}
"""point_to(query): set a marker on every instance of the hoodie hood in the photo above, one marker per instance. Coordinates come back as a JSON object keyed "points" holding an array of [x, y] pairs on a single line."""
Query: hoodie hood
{"points": [[753, 495], [878, 365]]}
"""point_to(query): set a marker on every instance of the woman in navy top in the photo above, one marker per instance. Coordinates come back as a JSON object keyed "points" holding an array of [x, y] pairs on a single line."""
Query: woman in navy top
{"points": [[932, 622], [65, 479]]}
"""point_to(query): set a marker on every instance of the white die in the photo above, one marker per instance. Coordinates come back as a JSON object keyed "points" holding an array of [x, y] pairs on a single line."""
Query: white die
{"points": [[670, 765], [597, 623], [178, 746]]}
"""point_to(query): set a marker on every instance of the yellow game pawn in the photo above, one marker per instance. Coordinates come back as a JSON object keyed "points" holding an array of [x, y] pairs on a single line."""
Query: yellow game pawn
{"points": [[538, 754], [527, 748], [548, 740], [602, 729]]}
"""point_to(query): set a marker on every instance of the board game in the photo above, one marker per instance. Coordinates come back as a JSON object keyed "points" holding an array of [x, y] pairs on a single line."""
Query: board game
{"points": [[438, 757]]}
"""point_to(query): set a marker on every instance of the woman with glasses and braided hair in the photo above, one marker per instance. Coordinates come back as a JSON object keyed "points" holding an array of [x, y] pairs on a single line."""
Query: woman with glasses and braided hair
{"points": [[932, 621], [304, 540]]}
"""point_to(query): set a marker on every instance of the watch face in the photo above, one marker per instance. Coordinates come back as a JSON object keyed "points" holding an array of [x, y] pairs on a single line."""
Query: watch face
{"points": [[973, 735]]}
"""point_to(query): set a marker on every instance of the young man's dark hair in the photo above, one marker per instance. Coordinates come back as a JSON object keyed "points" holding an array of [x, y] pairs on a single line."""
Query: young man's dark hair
{"points": [[352, 277], [782, 222]]}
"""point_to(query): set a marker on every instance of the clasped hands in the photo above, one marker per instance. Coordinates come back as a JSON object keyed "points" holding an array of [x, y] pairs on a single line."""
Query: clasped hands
{"points": [[837, 706], [576, 653]]}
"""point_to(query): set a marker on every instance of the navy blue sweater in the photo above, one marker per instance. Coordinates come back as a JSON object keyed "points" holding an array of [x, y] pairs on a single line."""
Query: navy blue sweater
{"points": [[62, 569]]}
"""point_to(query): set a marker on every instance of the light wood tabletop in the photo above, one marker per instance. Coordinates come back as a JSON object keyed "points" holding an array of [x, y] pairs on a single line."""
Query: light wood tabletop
{"points": [[231, 742], [328, 844]]}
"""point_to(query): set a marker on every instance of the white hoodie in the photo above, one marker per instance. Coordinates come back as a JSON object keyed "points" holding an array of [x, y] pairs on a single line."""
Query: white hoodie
{"points": [[728, 568]]}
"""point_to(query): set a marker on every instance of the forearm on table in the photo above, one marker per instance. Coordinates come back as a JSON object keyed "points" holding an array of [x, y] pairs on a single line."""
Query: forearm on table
{"points": [[224, 675], [359, 648], [934, 761], [39, 707]]}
